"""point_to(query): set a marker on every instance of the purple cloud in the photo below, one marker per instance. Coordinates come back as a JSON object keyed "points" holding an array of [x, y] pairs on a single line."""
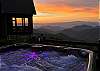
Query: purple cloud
{"points": [[75, 3]]}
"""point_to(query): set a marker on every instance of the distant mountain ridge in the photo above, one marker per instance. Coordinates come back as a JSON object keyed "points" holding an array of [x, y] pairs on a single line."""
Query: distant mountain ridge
{"points": [[66, 24], [90, 34], [82, 27], [55, 28], [82, 32]]}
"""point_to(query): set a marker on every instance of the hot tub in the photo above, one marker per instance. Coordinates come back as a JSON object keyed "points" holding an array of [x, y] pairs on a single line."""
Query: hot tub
{"points": [[44, 58]]}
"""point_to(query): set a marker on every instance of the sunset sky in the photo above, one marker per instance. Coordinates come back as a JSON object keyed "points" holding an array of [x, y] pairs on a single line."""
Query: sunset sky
{"points": [[51, 11]]}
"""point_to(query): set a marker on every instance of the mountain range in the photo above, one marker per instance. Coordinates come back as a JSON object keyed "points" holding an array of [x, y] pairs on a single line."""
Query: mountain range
{"points": [[65, 24], [79, 31]]}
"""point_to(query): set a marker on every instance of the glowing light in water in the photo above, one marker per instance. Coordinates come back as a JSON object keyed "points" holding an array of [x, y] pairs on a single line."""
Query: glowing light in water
{"points": [[31, 56]]}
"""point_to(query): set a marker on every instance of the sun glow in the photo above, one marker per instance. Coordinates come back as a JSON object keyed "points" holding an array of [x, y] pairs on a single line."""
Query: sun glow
{"points": [[47, 13]]}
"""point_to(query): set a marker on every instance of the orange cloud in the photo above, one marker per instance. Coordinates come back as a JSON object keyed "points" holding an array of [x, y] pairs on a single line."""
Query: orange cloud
{"points": [[64, 13]]}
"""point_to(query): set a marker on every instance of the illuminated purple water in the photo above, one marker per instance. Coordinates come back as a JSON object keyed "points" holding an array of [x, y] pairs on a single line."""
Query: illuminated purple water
{"points": [[25, 60]]}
